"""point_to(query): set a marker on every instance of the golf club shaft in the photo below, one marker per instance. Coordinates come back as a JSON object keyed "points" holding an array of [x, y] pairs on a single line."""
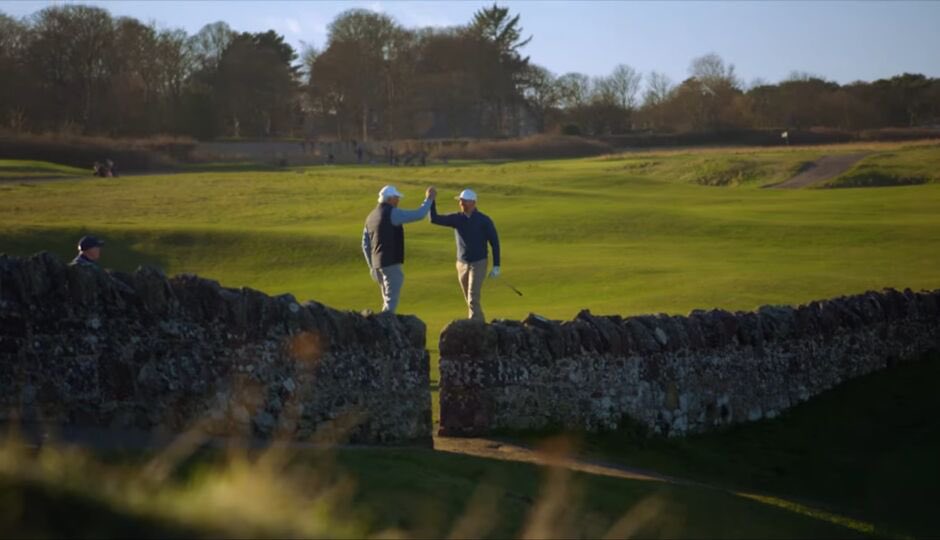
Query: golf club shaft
{"points": [[515, 290]]}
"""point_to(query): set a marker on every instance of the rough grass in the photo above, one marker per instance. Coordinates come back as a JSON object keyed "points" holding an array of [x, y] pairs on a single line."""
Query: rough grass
{"points": [[358, 493], [905, 166], [21, 168]]}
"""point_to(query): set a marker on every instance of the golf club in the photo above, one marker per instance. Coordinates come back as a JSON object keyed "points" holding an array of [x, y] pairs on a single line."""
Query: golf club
{"points": [[515, 290]]}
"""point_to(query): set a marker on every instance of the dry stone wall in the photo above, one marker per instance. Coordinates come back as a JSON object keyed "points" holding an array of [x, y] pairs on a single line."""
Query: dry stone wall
{"points": [[674, 375], [83, 346]]}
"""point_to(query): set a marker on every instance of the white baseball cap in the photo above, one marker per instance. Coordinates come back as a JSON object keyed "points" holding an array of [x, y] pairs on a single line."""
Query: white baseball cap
{"points": [[467, 195], [388, 191]]}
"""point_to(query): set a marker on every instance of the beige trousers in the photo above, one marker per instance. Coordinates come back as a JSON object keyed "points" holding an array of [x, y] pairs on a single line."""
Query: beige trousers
{"points": [[471, 276]]}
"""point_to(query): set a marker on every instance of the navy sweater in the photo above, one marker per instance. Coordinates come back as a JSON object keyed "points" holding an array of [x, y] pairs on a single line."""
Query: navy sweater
{"points": [[471, 232]]}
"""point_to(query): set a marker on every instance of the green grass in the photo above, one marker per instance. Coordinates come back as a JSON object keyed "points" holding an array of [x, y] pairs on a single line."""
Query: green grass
{"points": [[19, 169], [911, 165], [630, 234], [356, 493], [588, 233]]}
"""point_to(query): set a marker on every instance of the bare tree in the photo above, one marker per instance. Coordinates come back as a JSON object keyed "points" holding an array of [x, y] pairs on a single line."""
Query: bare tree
{"points": [[541, 91], [361, 47], [71, 52], [658, 88], [602, 92], [208, 45], [624, 83], [574, 89], [13, 35], [711, 70]]}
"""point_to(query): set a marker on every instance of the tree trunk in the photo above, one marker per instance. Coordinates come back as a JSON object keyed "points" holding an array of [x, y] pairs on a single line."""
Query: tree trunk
{"points": [[365, 122]]}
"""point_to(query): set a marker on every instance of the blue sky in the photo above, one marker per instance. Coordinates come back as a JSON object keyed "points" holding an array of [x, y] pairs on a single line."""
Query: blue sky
{"points": [[842, 40]]}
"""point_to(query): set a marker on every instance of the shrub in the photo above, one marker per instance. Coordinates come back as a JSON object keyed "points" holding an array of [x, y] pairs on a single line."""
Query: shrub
{"points": [[129, 154], [535, 147]]}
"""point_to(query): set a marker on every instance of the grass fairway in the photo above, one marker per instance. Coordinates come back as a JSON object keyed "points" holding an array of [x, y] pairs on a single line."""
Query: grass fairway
{"points": [[625, 234], [25, 169], [629, 234]]}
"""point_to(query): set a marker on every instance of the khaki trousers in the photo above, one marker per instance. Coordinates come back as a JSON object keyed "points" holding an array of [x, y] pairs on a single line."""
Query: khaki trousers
{"points": [[471, 276]]}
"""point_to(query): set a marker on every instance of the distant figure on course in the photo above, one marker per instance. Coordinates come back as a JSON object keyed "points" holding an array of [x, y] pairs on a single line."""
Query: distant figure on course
{"points": [[89, 251], [472, 230], [383, 242], [105, 170]]}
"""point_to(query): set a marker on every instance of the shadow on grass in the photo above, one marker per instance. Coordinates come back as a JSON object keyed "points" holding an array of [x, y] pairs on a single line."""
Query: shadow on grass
{"points": [[117, 253], [866, 449], [39, 510], [231, 166]]}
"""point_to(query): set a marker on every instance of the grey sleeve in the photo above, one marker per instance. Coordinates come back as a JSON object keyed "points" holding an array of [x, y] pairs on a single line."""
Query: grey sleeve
{"points": [[367, 246], [400, 217]]}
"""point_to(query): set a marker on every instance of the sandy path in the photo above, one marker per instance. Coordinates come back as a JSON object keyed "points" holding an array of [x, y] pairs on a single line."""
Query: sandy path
{"points": [[823, 168]]}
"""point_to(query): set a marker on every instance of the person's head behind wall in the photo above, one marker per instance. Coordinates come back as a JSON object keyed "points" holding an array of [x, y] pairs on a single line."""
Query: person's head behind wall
{"points": [[90, 247], [390, 195], [467, 200]]}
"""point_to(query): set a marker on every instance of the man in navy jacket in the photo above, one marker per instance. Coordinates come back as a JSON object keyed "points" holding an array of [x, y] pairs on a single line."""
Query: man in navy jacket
{"points": [[472, 230]]}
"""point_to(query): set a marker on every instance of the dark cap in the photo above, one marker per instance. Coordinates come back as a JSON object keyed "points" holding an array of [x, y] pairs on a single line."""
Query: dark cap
{"points": [[88, 242]]}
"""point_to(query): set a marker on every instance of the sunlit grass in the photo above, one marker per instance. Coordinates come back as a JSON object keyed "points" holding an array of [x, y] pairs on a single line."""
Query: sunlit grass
{"points": [[576, 234], [624, 234]]}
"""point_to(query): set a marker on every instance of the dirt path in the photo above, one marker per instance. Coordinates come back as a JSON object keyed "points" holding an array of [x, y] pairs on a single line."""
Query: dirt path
{"points": [[506, 451], [823, 168], [35, 435]]}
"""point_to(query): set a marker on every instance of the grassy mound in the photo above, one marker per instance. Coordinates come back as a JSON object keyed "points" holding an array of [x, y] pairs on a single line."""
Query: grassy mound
{"points": [[904, 166], [15, 169], [82, 152]]}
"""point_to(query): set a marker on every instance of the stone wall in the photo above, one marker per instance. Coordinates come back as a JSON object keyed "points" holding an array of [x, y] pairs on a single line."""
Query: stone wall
{"points": [[675, 375], [82, 346]]}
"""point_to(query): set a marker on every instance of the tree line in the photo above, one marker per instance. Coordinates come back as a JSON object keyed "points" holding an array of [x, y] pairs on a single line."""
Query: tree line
{"points": [[75, 68]]}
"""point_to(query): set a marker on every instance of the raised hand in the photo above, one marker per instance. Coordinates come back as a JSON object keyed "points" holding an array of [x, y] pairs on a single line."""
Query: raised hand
{"points": [[431, 193]]}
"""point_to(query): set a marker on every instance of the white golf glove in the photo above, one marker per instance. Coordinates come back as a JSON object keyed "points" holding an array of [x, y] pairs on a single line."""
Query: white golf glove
{"points": [[375, 274], [494, 272]]}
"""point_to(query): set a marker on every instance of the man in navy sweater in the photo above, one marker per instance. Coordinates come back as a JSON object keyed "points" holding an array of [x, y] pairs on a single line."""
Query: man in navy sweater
{"points": [[472, 230]]}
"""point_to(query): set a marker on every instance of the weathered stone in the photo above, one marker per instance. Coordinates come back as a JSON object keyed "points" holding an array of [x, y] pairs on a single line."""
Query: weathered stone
{"points": [[606, 331], [467, 337], [89, 346], [643, 334], [677, 375], [750, 331], [776, 322]]}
